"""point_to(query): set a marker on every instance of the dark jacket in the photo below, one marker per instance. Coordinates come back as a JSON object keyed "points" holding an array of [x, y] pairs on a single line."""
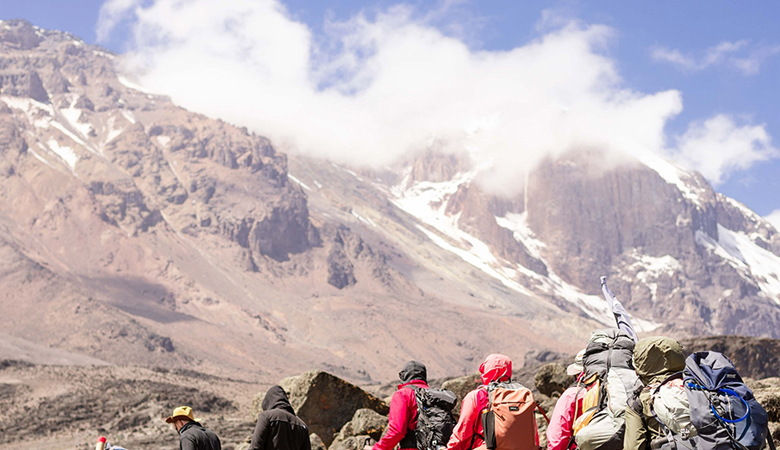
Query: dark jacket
{"points": [[193, 436], [655, 359], [278, 428]]}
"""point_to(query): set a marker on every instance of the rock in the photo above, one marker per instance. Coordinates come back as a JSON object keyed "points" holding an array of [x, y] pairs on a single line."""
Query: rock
{"points": [[535, 358], [767, 392], [541, 425], [326, 403], [351, 443], [755, 358], [551, 379], [365, 422], [23, 84], [774, 428], [462, 386], [316, 442]]}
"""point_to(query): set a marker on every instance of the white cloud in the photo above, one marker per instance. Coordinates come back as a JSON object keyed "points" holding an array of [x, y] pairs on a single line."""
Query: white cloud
{"points": [[718, 146], [373, 89], [774, 219], [112, 12], [732, 54]]}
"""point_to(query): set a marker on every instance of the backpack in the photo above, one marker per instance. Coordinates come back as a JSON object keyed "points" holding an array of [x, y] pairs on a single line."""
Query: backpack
{"points": [[509, 423], [609, 378], [721, 409], [434, 417]]}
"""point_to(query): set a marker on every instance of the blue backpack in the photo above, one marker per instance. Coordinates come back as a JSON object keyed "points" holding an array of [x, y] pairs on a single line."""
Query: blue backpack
{"points": [[723, 409]]}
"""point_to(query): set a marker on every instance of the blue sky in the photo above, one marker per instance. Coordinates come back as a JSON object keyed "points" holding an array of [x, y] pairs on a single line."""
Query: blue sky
{"points": [[685, 31]]}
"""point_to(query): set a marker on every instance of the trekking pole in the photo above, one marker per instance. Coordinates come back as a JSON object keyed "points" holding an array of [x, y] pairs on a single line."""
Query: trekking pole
{"points": [[101, 443]]}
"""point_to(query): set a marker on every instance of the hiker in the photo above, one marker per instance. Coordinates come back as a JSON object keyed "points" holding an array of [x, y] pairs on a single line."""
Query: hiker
{"points": [[560, 429], [278, 428], [607, 380], [403, 408], [655, 360], [192, 435], [468, 432], [699, 402]]}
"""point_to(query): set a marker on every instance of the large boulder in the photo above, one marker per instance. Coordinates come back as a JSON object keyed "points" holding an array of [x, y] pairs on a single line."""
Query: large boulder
{"points": [[552, 379], [316, 442], [462, 386], [326, 403], [365, 424]]}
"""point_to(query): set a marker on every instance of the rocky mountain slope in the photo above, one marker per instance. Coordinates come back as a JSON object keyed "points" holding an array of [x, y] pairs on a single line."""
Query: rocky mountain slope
{"points": [[684, 259], [135, 232]]}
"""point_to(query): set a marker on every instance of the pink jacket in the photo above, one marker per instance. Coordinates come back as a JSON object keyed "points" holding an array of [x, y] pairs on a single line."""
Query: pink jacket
{"points": [[559, 430], [403, 415], [495, 368]]}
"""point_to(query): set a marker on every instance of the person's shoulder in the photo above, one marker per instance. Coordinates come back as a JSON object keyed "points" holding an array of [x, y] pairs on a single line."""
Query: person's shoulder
{"points": [[479, 394]]}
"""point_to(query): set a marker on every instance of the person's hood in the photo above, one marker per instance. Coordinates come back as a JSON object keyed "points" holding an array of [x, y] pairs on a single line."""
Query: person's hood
{"points": [[496, 368], [413, 370], [655, 358], [276, 398]]}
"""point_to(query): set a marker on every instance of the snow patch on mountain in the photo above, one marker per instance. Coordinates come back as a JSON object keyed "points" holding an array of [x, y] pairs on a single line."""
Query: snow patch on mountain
{"points": [[124, 81], [518, 225], [642, 325], [39, 157], [163, 141], [113, 131], [72, 116], [427, 201], [64, 152], [38, 114], [298, 182], [649, 268], [129, 116], [479, 256], [742, 253], [365, 220], [677, 176]]}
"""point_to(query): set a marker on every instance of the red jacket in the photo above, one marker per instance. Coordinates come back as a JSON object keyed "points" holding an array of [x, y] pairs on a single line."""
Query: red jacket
{"points": [[495, 368], [403, 415], [562, 420]]}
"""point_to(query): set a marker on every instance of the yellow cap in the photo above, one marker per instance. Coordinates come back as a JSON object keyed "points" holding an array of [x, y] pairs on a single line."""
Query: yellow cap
{"points": [[180, 413]]}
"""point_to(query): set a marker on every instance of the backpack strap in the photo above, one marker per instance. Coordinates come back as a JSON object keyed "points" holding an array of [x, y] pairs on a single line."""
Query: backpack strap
{"points": [[474, 434], [539, 408], [770, 440], [410, 440]]}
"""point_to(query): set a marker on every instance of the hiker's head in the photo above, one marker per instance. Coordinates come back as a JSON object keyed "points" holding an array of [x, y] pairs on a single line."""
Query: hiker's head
{"points": [[276, 398], [658, 356], [181, 416], [413, 370], [576, 368], [496, 368]]}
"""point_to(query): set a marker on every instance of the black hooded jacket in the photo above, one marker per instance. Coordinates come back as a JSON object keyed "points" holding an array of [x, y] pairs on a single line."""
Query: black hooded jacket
{"points": [[278, 428], [413, 370], [193, 436]]}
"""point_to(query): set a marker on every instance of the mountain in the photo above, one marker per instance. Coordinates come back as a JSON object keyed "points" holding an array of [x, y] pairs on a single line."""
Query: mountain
{"points": [[135, 232]]}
